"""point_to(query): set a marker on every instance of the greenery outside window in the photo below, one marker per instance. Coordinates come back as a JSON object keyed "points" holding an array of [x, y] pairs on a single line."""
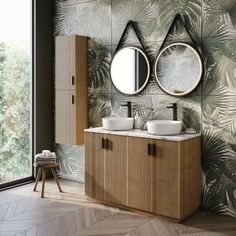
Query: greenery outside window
{"points": [[15, 91]]}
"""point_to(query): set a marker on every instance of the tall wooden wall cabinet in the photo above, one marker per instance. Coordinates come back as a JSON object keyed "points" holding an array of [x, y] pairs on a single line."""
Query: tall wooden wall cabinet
{"points": [[71, 109]]}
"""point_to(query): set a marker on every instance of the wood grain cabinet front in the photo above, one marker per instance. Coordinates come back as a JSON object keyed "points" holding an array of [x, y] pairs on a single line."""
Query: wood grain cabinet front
{"points": [[139, 174], [165, 178], [105, 162], [156, 176], [94, 164], [71, 105], [65, 116]]}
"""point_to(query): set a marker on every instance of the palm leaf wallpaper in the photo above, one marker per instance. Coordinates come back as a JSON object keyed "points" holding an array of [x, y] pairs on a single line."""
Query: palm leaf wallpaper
{"points": [[210, 109]]}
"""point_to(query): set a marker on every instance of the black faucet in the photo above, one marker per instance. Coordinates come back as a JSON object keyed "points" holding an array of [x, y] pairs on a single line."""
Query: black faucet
{"points": [[174, 107], [129, 107]]}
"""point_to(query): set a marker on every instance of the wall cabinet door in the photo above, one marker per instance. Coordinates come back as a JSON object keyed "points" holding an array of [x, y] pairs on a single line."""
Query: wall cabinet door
{"points": [[115, 175], [166, 178], [65, 62], [94, 166], [65, 116], [71, 77], [139, 174]]}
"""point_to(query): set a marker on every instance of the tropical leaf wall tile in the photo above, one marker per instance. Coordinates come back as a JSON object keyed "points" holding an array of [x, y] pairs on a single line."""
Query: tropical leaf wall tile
{"points": [[218, 164], [220, 68], [152, 49], [99, 106], [220, 115], [190, 11], [71, 160], [218, 18], [152, 86], [99, 60], [211, 108], [70, 2], [92, 19], [226, 64], [211, 85], [155, 107], [139, 11]]}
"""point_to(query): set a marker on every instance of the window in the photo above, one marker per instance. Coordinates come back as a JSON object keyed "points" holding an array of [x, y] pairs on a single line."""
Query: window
{"points": [[15, 91]]}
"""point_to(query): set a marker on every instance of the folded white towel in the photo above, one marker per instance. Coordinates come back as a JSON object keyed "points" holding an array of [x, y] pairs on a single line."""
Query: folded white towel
{"points": [[45, 159], [53, 154], [46, 154], [45, 162], [39, 155]]}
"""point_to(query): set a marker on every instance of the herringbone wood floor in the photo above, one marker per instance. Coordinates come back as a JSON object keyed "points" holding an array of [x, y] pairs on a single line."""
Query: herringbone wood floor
{"points": [[24, 213]]}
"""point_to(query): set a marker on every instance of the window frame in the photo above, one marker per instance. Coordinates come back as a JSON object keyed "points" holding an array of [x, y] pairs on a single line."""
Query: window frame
{"points": [[29, 179]]}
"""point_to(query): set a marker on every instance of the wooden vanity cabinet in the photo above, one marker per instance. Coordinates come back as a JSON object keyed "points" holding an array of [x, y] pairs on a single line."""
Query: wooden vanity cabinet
{"points": [[94, 164], [105, 162], [153, 176], [156, 176], [71, 95], [139, 174], [166, 178]]}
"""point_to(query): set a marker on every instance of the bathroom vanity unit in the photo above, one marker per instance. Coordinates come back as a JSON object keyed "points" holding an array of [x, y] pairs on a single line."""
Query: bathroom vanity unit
{"points": [[135, 170]]}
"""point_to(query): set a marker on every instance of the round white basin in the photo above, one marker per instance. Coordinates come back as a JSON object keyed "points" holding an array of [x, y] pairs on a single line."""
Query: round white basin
{"points": [[117, 123], [164, 127]]}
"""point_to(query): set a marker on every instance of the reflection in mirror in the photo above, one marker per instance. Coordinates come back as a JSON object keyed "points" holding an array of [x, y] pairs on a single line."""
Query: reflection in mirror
{"points": [[130, 70], [178, 69]]}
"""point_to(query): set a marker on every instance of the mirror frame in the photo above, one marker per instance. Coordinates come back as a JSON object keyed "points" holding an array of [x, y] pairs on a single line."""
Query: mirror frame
{"points": [[148, 69], [199, 76]]}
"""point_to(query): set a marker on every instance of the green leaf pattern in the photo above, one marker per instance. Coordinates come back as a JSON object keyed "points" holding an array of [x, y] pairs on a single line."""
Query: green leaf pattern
{"points": [[211, 108]]}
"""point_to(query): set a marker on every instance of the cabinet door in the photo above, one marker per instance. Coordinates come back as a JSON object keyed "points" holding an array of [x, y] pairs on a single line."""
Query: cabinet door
{"points": [[115, 169], [166, 178], [65, 62], [139, 174], [65, 117], [94, 166]]}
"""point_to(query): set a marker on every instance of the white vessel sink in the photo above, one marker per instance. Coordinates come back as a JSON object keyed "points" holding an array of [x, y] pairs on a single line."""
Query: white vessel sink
{"points": [[164, 127], [117, 123]]}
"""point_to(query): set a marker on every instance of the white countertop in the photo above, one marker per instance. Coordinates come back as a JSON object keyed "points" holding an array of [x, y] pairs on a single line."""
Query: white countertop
{"points": [[143, 134]]}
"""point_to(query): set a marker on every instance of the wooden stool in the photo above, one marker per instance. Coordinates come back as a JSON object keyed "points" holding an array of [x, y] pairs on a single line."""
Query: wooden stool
{"points": [[42, 172]]}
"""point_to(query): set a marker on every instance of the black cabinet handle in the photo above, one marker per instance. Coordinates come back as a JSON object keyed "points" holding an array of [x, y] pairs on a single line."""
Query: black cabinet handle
{"points": [[153, 150], [103, 143], [149, 149], [73, 99], [106, 143], [72, 80]]}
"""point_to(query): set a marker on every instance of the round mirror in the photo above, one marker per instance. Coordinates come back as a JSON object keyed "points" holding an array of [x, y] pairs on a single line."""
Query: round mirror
{"points": [[178, 69], [130, 70]]}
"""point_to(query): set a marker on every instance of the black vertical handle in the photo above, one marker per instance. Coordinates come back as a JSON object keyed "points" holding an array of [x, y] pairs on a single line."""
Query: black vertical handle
{"points": [[103, 143], [106, 143], [153, 150], [73, 99], [72, 80], [149, 149]]}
